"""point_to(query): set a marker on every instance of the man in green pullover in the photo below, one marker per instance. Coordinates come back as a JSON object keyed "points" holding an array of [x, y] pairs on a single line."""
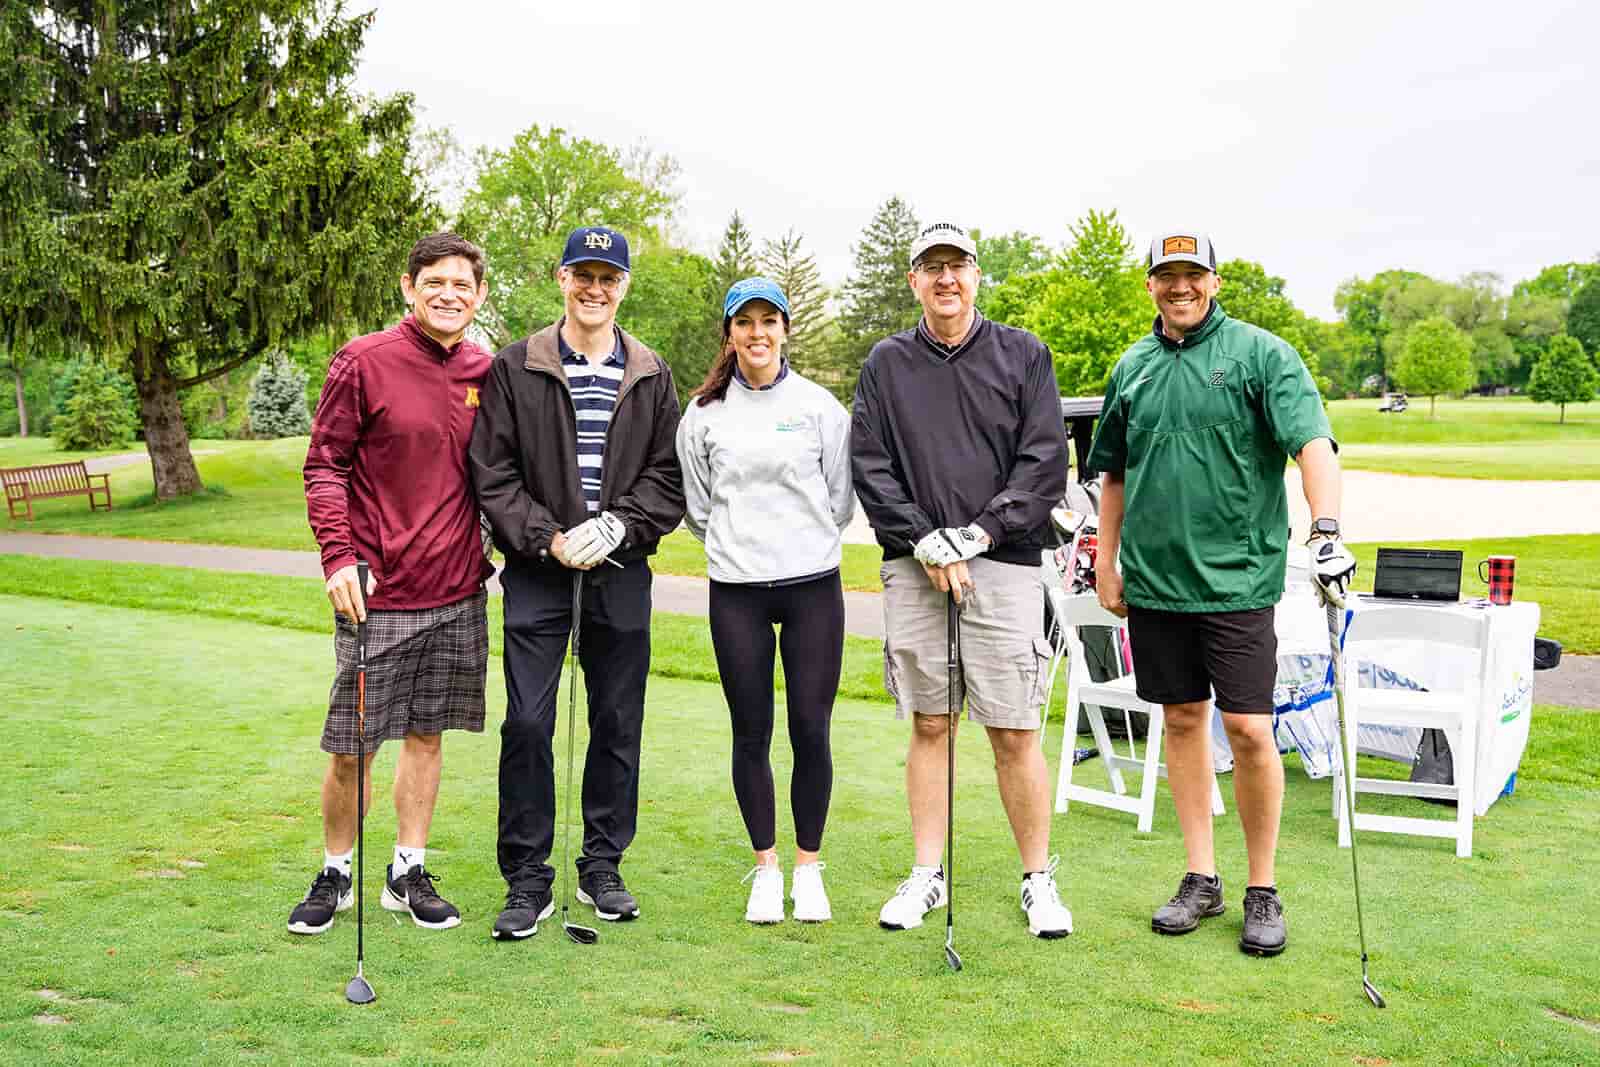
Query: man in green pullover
{"points": [[1200, 418]]}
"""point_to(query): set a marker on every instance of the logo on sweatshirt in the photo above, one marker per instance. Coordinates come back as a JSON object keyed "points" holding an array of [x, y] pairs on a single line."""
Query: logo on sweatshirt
{"points": [[790, 425], [472, 396], [1216, 380]]}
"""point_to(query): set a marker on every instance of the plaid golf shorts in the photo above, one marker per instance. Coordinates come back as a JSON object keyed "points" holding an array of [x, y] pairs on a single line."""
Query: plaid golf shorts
{"points": [[425, 674]]}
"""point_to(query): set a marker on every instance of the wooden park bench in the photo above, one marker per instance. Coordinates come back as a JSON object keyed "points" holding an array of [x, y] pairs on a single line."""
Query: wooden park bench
{"points": [[24, 485]]}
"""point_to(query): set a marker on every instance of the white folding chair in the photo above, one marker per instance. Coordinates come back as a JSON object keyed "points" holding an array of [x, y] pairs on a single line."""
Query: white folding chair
{"points": [[1083, 609], [1455, 712]]}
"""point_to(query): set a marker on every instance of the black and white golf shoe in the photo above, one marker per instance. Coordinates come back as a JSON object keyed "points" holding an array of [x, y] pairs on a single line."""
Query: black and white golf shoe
{"points": [[605, 891], [526, 907], [413, 893], [330, 892], [915, 897]]}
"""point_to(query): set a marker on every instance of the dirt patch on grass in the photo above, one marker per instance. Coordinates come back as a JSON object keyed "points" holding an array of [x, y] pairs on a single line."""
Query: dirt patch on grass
{"points": [[1372, 1061], [47, 1019], [788, 1009], [785, 1055], [70, 848], [1199, 1006]]}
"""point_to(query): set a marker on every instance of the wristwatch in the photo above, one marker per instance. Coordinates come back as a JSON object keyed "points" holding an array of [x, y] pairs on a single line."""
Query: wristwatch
{"points": [[1324, 527]]}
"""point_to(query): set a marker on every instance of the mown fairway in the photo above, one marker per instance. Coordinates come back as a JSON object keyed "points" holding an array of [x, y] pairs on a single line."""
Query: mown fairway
{"points": [[160, 819]]}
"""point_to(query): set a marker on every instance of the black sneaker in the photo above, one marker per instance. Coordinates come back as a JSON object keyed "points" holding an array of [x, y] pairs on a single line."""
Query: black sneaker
{"points": [[1265, 933], [526, 907], [1198, 897], [413, 892], [611, 899], [329, 893]]}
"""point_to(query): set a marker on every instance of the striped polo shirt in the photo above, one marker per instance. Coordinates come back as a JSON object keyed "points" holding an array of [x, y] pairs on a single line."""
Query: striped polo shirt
{"points": [[594, 396]]}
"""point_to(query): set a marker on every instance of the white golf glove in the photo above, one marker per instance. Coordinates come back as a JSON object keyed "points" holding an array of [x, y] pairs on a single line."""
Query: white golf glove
{"points": [[953, 544], [592, 541], [1332, 565]]}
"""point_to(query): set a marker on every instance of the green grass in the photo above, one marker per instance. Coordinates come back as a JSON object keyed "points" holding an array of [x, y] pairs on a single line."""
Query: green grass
{"points": [[1506, 437], [681, 644], [160, 818]]}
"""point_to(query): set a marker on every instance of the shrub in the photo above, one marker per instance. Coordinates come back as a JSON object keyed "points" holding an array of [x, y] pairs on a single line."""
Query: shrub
{"points": [[96, 414], [278, 399]]}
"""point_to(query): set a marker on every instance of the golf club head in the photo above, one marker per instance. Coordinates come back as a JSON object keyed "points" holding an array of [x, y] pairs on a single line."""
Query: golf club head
{"points": [[950, 956], [359, 991], [579, 935], [1066, 521], [1372, 993]]}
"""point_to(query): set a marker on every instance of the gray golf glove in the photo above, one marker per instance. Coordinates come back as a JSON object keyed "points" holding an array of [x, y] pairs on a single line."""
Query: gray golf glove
{"points": [[592, 541], [953, 544], [1332, 565]]}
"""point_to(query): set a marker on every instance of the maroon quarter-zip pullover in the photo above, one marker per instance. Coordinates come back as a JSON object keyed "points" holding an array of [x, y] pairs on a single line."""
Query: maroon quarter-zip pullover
{"points": [[386, 473]]}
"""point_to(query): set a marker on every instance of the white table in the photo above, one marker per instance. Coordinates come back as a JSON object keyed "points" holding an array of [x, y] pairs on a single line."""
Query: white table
{"points": [[1307, 718]]}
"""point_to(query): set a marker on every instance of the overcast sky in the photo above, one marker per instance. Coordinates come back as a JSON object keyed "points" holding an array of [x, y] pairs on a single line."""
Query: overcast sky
{"points": [[1323, 140]]}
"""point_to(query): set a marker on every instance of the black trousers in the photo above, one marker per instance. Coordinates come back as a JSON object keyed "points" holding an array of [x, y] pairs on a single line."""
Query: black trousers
{"points": [[810, 617], [614, 651]]}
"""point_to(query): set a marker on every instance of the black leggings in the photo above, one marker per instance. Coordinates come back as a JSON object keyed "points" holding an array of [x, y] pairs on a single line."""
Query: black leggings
{"points": [[811, 615]]}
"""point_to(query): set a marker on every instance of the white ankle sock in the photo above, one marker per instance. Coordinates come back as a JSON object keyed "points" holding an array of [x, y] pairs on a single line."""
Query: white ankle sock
{"points": [[407, 857], [339, 861]]}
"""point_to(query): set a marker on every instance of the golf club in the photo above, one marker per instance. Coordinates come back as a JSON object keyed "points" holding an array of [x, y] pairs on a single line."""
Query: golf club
{"points": [[952, 663], [581, 935], [359, 991], [1335, 606]]}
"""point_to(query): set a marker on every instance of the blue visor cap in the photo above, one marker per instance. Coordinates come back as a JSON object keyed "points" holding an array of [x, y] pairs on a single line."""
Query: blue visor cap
{"points": [[742, 292], [596, 244]]}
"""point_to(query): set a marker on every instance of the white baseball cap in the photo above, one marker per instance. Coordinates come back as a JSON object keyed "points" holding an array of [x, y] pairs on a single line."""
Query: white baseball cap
{"points": [[1185, 246], [942, 233]]}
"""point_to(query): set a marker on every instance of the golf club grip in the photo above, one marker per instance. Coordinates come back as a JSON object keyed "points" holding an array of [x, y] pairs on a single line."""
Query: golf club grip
{"points": [[363, 571]]}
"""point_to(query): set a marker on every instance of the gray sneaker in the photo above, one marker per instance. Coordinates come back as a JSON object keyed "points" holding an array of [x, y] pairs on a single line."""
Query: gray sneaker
{"points": [[1265, 933], [610, 898], [1198, 897]]}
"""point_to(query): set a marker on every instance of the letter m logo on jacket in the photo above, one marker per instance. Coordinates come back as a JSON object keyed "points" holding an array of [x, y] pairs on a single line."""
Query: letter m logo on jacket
{"points": [[472, 396]]}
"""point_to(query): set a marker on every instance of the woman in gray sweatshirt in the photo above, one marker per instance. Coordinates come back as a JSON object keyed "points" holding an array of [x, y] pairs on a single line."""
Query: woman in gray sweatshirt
{"points": [[766, 476]]}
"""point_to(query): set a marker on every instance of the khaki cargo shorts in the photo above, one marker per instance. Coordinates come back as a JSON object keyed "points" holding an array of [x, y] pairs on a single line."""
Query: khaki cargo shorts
{"points": [[1005, 659]]}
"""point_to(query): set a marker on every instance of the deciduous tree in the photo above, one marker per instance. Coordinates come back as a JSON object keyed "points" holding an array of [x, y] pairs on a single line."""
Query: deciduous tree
{"points": [[1563, 375], [1437, 358]]}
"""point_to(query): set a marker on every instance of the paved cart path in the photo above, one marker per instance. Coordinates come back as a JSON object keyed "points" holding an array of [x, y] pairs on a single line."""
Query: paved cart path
{"points": [[1576, 683]]}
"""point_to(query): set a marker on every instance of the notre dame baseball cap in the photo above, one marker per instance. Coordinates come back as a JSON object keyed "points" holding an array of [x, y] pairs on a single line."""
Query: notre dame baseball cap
{"points": [[942, 233], [1191, 246], [596, 244]]}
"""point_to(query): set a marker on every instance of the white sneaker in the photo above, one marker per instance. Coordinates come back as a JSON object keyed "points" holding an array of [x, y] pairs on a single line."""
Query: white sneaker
{"points": [[766, 894], [810, 899], [1047, 916], [915, 897]]}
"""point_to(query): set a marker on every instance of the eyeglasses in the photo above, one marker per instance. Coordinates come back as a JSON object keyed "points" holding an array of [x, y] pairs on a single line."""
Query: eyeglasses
{"points": [[935, 268], [584, 280]]}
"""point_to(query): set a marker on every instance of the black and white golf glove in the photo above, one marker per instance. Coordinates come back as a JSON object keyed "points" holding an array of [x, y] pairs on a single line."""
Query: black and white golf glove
{"points": [[953, 544], [1332, 565], [592, 541]]}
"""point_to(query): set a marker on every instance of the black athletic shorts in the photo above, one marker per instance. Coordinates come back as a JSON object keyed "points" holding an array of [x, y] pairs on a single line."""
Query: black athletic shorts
{"points": [[1182, 657]]}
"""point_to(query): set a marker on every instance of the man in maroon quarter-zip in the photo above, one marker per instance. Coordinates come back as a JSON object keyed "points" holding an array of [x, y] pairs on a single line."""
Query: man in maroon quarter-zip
{"points": [[575, 465], [386, 483]]}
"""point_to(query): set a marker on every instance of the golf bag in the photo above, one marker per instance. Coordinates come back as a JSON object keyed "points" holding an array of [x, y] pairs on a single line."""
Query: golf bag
{"points": [[1434, 763], [1104, 654]]}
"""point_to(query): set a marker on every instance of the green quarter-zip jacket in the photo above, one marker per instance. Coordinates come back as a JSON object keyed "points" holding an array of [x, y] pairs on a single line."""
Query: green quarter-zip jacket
{"points": [[1201, 430], [524, 452]]}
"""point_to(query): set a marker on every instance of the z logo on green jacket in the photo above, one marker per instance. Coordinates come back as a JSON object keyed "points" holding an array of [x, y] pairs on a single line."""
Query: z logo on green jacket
{"points": [[1216, 379]]}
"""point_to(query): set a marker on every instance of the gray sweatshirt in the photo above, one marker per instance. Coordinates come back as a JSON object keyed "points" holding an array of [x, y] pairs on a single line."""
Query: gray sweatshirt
{"points": [[766, 477]]}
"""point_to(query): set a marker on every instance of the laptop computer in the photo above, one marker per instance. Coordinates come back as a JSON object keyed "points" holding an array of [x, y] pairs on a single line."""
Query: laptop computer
{"points": [[1427, 575]]}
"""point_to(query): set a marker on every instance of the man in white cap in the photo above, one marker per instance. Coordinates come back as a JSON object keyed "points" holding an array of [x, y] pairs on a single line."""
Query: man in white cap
{"points": [[958, 453], [1200, 417]]}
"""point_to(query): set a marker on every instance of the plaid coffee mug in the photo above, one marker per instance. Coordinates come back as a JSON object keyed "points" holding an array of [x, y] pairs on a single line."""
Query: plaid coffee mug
{"points": [[1502, 575]]}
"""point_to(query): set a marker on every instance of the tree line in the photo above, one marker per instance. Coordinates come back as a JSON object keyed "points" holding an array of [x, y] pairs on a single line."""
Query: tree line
{"points": [[188, 186]]}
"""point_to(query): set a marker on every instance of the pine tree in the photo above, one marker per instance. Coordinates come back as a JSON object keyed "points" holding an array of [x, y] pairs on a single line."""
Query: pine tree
{"points": [[210, 184], [878, 301], [736, 256], [277, 401], [96, 414], [796, 273]]}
